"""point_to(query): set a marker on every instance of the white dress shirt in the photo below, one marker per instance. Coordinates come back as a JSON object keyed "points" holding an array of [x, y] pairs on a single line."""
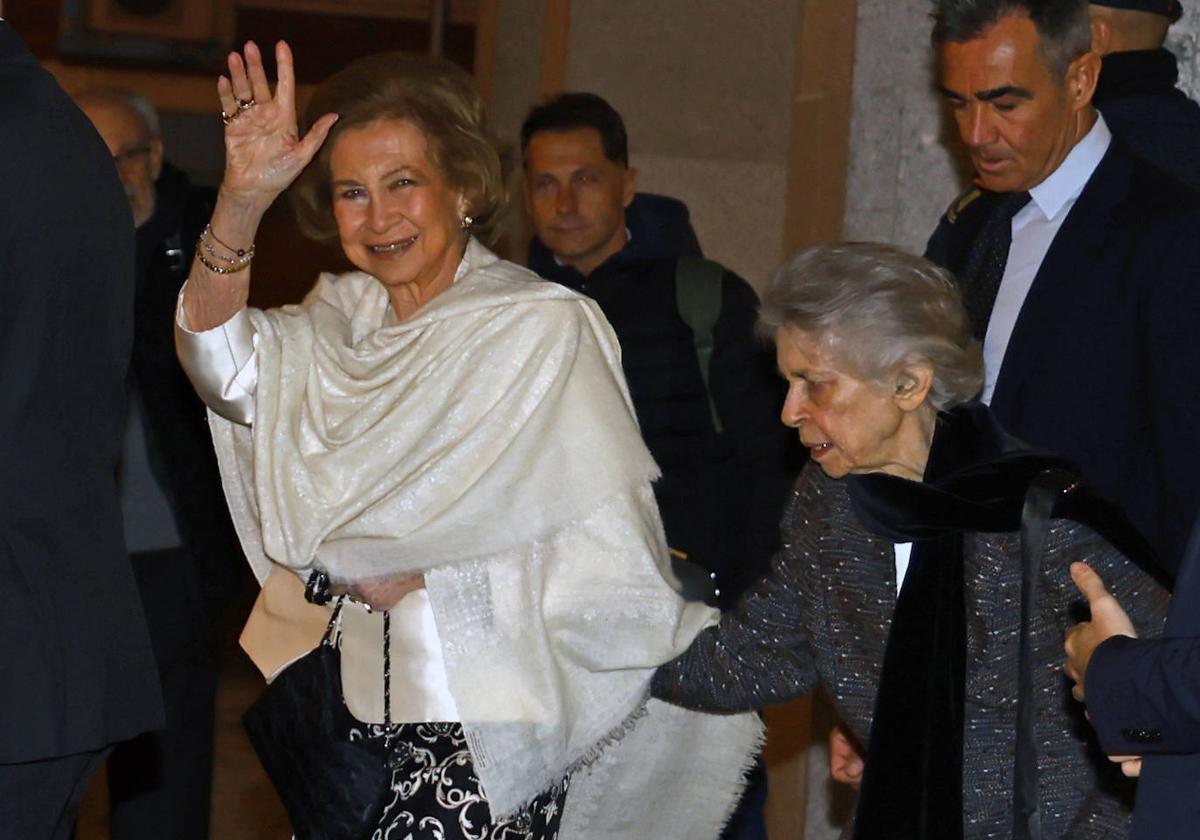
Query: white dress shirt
{"points": [[903, 552], [1033, 231]]}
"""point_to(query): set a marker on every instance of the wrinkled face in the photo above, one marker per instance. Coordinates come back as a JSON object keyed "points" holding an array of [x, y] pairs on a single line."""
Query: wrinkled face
{"points": [[1016, 120], [848, 425], [576, 196], [137, 155], [397, 217]]}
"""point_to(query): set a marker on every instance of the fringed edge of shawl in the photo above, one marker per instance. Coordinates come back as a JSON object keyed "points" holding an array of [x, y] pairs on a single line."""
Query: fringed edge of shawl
{"points": [[591, 755], [746, 769]]}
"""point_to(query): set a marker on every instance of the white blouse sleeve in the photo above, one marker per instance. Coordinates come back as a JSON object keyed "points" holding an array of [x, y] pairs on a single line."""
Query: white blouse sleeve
{"points": [[222, 363]]}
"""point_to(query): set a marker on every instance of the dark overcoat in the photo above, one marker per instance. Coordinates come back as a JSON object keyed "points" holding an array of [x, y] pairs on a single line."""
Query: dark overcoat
{"points": [[78, 670]]}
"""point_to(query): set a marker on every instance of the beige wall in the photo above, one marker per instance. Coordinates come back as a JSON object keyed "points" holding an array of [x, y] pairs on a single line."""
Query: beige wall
{"points": [[704, 88]]}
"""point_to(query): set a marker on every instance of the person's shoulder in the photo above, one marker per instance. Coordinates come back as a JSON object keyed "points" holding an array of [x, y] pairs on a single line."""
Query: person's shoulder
{"points": [[539, 303], [958, 226]]}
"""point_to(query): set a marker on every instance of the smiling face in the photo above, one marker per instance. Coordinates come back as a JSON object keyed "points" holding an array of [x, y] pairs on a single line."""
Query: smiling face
{"points": [[1017, 121], [576, 197], [847, 424], [397, 217]]}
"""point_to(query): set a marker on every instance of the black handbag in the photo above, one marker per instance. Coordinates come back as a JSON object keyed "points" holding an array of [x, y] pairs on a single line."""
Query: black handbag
{"points": [[331, 787]]}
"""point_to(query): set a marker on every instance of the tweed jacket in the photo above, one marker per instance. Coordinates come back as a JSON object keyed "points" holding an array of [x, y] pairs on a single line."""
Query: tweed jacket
{"points": [[823, 615]]}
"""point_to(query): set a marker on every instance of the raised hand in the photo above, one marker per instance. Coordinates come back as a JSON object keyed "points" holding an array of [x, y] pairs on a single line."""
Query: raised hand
{"points": [[263, 150], [1108, 619]]}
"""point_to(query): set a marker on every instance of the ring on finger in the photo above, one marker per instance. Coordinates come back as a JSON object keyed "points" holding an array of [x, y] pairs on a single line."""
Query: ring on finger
{"points": [[245, 104], [227, 118]]}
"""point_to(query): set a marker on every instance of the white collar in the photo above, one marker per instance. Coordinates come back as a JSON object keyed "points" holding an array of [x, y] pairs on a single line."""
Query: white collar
{"points": [[1064, 184]]}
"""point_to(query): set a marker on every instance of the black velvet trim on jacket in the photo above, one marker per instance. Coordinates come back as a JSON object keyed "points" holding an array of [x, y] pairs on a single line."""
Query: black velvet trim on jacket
{"points": [[975, 480]]}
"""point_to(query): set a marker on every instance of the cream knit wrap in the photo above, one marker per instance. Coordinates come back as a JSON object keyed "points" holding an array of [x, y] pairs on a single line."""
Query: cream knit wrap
{"points": [[489, 442]]}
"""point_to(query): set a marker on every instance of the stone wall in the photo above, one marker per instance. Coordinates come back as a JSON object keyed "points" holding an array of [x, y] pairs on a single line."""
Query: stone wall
{"points": [[902, 172], [1184, 41]]}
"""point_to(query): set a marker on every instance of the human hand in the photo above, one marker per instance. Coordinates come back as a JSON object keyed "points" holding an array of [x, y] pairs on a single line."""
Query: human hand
{"points": [[845, 759], [1131, 765], [385, 593], [263, 151], [1108, 620]]}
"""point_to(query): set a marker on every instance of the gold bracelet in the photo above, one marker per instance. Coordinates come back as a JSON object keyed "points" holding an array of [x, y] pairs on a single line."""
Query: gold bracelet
{"points": [[217, 269], [242, 253]]}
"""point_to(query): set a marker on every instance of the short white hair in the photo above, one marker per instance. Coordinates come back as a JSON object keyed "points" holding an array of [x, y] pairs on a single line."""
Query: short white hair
{"points": [[877, 309]]}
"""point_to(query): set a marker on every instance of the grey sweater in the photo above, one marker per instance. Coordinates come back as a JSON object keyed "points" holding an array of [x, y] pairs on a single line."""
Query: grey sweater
{"points": [[822, 617]]}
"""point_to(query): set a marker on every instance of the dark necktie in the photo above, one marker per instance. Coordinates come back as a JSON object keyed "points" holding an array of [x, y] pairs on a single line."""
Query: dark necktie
{"points": [[984, 267]]}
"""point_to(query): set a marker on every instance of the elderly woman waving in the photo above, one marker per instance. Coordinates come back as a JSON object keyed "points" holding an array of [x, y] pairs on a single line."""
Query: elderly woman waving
{"points": [[914, 583], [443, 445]]}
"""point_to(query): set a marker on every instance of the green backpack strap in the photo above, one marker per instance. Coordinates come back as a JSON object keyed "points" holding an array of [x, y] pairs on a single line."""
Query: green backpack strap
{"points": [[698, 296]]}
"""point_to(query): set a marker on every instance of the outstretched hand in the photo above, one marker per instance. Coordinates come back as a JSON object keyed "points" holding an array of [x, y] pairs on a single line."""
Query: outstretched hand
{"points": [[1108, 620], [263, 150]]}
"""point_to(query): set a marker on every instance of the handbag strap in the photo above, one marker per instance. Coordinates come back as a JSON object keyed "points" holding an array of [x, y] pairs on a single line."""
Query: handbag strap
{"points": [[333, 630], [387, 668], [1043, 493], [316, 591]]}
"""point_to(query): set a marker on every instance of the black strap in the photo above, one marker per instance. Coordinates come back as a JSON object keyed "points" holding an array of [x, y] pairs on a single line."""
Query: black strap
{"points": [[1044, 493]]}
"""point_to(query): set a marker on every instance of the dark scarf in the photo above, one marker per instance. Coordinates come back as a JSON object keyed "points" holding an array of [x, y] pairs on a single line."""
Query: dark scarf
{"points": [[975, 481]]}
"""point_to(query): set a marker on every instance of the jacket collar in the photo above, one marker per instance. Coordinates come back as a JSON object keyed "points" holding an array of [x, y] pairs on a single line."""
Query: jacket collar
{"points": [[1138, 72]]}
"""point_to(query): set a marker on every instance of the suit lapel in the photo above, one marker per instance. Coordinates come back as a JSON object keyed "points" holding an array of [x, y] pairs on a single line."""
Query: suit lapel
{"points": [[1062, 284]]}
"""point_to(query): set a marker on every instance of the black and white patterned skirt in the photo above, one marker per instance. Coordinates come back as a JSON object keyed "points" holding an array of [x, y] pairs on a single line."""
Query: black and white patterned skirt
{"points": [[436, 794]]}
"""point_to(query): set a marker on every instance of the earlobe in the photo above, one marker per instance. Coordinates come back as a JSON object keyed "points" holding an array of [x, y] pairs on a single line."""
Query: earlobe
{"points": [[631, 178]]}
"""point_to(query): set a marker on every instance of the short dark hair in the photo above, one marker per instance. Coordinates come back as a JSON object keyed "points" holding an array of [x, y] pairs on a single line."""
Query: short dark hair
{"points": [[1064, 27], [569, 111], [436, 96]]}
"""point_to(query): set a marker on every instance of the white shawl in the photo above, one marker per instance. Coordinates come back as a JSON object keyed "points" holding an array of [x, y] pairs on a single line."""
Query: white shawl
{"points": [[489, 442]]}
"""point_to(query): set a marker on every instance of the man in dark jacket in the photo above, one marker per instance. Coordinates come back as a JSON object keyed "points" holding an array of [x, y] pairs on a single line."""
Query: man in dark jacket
{"points": [[713, 428], [78, 669], [1137, 90], [177, 527], [1143, 697]]}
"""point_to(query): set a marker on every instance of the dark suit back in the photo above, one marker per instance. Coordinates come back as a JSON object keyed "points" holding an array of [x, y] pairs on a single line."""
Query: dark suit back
{"points": [[1102, 364], [79, 673]]}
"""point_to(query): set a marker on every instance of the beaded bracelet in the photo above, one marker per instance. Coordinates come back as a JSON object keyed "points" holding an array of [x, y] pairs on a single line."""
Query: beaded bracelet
{"points": [[218, 269], [242, 253], [222, 263]]}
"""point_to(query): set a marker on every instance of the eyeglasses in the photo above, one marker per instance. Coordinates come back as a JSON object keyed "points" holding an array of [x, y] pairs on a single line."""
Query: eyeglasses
{"points": [[123, 159]]}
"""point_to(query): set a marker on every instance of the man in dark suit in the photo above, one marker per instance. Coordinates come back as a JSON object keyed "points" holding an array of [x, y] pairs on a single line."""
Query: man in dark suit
{"points": [[1137, 91], [1143, 697], [177, 530], [1077, 262], [79, 672]]}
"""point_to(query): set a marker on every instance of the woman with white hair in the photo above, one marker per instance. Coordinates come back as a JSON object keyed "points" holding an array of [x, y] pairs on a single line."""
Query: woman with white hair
{"points": [[914, 583]]}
